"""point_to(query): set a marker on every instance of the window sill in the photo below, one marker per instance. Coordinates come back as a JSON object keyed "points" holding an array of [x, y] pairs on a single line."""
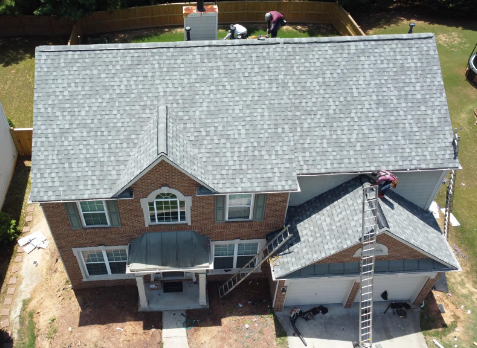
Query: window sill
{"points": [[245, 220], [167, 223]]}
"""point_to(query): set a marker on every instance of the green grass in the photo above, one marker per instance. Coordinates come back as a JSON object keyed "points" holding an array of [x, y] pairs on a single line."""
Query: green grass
{"points": [[17, 73], [27, 330], [455, 41]]}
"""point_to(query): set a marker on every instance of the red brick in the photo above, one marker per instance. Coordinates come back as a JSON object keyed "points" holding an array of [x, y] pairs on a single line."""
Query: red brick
{"points": [[352, 295], [426, 289]]}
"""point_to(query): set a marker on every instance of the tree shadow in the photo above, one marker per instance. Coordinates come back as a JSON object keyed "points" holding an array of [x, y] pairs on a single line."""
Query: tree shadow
{"points": [[14, 50], [5, 338], [113, 304]]}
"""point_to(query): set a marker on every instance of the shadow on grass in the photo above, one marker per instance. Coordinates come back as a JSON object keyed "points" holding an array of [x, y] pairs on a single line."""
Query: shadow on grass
{"points": [[14, 50], [432, 320], [114, 304]]}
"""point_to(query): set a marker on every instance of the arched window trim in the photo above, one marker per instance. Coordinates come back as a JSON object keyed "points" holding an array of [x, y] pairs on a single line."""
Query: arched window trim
{"points": [[152, 197], [381, 250]]}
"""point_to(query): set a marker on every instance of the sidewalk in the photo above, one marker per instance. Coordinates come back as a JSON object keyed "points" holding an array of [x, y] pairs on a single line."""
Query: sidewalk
{"points": [[173, 332]]}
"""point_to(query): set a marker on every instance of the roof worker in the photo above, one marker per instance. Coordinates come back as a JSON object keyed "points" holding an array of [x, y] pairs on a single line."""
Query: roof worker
{"points": [[236, 31], [274, 21], [385, 181]]}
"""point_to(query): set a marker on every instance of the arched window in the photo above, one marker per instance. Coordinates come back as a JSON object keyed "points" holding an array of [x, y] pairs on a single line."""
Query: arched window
{"points": [[380, 250], [166, 206]]}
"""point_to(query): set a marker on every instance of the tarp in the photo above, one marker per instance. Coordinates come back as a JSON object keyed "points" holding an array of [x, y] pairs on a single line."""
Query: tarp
{"points": [[169, 251]]}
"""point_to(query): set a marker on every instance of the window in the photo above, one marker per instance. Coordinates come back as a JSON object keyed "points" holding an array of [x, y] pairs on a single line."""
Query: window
{"points": [[93, 213], [167, 208], [380, 250], [239, 207], [234, 254], [103, 261]]}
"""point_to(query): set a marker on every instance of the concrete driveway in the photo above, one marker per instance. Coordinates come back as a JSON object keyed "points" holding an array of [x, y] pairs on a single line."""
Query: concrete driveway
{"points": [[339, 328]]}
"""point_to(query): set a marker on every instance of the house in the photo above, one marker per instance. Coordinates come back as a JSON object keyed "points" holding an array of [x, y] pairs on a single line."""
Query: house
{"points": [[161, 164], [8, 156]]}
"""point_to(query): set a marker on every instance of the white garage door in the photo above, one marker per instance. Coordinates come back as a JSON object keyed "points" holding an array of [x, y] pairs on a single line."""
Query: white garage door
{"points": [[317, 291], [399, 287]]}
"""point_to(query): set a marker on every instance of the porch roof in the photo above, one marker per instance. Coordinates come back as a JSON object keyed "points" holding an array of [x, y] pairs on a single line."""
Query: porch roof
{"points": [[168, 251]]}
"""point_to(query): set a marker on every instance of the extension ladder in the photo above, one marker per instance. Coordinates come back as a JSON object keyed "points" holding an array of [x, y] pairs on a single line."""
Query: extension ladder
{"points": [[246, 270], [451, 188], [368, 241]]}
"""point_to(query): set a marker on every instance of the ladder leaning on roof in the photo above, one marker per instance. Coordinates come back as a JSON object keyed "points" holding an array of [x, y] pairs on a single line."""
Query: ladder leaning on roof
{"points": [[451, 188], [368, 246], [246, 270]]}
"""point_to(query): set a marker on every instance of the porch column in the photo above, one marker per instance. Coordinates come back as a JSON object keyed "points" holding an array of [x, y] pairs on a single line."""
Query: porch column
{"points": [[202, 290], [142, 292]]}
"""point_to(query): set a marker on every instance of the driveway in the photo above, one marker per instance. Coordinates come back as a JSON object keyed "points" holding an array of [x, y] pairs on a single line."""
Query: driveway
{"points": [[339, 327]]}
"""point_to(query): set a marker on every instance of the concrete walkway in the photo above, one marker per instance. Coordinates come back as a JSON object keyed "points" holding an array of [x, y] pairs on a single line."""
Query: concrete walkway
{"points": [[339, 327], [173, 332]]}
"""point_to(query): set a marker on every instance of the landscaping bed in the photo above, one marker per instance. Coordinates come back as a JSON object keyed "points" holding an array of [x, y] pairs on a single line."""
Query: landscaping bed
{"points": [[244, 318]]}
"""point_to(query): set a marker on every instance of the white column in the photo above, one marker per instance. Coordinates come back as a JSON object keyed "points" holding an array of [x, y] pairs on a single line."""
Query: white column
{"points": [[142, 292], [202, 290]]}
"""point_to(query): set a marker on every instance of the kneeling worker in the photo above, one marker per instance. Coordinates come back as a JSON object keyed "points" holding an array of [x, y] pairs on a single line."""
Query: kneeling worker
{"points": [[274, 21], [236, 31]]}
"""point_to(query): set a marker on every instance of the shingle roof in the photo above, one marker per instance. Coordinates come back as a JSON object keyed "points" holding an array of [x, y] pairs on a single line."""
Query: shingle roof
{"points": [[331, 222], [246, 115]]}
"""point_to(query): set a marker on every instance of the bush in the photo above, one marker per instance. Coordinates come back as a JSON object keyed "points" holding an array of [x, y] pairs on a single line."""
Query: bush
{"points": [[9, 230], [365, 5], [10, 122]]}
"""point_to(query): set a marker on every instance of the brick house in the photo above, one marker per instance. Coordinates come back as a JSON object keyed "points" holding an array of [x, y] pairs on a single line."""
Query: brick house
{"points": [[164, 164]]}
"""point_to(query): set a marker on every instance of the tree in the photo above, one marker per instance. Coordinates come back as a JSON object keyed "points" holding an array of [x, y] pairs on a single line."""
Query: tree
{"points": [[73, 9]]}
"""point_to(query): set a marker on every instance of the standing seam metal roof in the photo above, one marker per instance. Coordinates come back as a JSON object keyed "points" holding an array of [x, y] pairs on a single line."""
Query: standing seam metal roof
{"points": [[243, 115]]}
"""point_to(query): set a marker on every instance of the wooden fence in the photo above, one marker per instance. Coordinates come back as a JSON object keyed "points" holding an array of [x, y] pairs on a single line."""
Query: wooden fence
{"points": [[35, 25], [22, 137], [229, 12]]}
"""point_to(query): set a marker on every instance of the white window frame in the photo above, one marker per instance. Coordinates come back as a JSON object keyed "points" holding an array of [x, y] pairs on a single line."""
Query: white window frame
{"points": [[236, 242], [380, 250], [250, 217], [152, 197], [84, 271], [78, 204]]}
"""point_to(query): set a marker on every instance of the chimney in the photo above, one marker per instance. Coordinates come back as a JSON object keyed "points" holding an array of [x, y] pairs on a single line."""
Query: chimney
{"points": [[200, 6], [411, 26], [187, 29]]}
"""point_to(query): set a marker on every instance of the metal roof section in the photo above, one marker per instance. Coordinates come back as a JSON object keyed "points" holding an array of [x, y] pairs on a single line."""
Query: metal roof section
{"points": [[162, 251], [331, 222], [281, 107]]}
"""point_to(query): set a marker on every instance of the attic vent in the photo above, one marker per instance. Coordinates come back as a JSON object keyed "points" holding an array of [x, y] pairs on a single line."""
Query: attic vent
{"points": [[162, 130]]}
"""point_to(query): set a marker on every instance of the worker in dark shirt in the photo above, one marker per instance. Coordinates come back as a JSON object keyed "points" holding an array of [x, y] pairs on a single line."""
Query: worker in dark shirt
{"points": [[274, 21]]}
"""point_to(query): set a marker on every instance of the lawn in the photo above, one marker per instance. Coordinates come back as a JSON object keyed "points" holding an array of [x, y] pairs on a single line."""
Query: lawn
{"points": [[455, 40], [17, 76]]}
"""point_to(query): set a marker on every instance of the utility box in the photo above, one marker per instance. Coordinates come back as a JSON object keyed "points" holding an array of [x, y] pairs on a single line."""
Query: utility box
{"points": [[204, 25]]}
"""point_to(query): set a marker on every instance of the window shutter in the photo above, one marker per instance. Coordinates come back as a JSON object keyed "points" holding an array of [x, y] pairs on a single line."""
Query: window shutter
{"points": [[259, 207], [73, 215], [113, 213], [220, 208]]}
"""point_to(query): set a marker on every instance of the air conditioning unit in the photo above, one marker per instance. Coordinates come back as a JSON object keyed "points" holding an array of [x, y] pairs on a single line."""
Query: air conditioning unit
{"points": [[202, 20]]}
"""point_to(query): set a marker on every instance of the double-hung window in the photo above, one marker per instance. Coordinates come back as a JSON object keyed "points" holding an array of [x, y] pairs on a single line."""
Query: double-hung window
{"points": [[104, 261], [167, 208], [239, 207], [230, 255], [93, 213]]}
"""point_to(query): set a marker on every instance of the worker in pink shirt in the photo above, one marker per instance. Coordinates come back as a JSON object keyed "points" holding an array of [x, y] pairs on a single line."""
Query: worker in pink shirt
{"points": [[385, 181], [274, 21]]}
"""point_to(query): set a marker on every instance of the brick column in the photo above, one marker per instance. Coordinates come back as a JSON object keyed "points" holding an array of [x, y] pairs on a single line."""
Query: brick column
{"points": [[352, 295], [426, 289], [280, 298]]}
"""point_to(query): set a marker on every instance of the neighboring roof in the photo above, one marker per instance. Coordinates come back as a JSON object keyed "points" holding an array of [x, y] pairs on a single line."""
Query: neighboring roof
{"points": [[169, 250], [331, 222], [242, 115]]}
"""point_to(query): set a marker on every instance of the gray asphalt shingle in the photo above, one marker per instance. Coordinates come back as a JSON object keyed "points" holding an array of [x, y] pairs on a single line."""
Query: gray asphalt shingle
{"points": [[331, 222], [244, 116]]}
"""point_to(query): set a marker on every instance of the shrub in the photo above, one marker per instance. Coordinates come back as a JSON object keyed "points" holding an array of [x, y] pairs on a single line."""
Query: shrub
{"points": [[9, 230], [10, 122]]}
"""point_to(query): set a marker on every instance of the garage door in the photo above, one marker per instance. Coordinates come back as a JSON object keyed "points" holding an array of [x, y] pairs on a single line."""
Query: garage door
{"points": [[399, 287], [317, 291]]}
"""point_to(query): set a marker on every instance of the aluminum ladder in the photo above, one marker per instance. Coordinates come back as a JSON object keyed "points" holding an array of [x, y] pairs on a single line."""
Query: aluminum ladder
{"points": [[451, 188], [368, 241], [265, 253]]}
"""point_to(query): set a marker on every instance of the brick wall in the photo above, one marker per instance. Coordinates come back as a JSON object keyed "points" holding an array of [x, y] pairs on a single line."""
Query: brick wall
{"points": [[352, 295], [396, 251], [133, 225], [280, 299], [426, 289]]}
